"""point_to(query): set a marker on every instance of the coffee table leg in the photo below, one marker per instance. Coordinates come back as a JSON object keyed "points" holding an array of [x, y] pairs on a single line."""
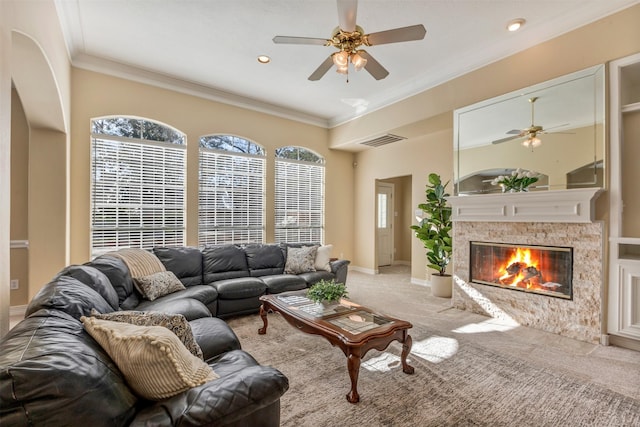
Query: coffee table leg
{"points": [[406, 349], [353, 364], [263, 314]]}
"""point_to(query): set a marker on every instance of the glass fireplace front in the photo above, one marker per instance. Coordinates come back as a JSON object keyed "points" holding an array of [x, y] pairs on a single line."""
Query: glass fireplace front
{"points": [[546, 270]]}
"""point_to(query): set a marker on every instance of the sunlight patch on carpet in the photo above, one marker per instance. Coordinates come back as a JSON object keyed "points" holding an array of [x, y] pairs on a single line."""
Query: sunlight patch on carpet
{"points": [[486, 326], [487, 305], [382, 363], [435, 349]]}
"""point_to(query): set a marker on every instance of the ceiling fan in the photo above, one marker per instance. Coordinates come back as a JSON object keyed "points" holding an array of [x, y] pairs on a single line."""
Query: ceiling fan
{"points": [[348, 38], [531, 133]]}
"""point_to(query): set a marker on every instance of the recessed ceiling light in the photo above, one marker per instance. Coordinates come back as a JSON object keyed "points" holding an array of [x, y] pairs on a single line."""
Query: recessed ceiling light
{"points": [[264, 59], [515, 24]]}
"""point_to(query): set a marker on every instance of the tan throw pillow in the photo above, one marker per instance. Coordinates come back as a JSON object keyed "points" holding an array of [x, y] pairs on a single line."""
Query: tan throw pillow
{"points": [[300, 260], [158, 284], [323, 258], [176, 323], [154, 362]]}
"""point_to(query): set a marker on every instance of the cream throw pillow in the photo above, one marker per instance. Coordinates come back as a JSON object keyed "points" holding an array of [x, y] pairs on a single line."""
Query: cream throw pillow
{"points": [[323, 257], [152, 359]]}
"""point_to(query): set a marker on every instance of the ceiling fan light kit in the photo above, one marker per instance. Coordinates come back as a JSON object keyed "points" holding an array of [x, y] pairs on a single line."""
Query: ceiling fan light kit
{"points": [[348, 37]]}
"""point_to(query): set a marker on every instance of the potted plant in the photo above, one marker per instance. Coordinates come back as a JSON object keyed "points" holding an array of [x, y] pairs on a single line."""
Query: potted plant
{"points": [[327, 291], [434, 230]]}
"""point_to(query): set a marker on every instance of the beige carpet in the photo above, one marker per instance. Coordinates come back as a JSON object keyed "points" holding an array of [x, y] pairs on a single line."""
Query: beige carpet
{"points": [[458, 381]]}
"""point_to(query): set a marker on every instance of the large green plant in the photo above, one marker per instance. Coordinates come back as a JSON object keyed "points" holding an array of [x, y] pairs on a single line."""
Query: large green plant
{"points": [[434, 230]]}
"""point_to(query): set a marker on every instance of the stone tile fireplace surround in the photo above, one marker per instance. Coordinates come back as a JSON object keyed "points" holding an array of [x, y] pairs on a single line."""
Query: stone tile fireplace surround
{"points": [[506, 219]]}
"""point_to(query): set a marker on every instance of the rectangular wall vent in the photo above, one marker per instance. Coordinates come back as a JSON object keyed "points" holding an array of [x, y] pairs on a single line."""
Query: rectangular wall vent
{"points": [[383, 140]]}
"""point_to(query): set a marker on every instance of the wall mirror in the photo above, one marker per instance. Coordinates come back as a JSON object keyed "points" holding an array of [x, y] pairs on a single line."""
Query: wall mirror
{"points": [[496, 136]]}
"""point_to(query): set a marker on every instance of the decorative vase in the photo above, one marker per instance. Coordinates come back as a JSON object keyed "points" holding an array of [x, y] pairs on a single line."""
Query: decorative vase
{"points": [[441, 286]]}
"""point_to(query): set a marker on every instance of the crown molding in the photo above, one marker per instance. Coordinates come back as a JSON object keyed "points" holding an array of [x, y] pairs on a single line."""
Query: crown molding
{"points": [[117, 69]]}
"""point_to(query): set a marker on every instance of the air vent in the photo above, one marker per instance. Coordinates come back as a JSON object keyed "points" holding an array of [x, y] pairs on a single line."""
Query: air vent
{"points": [[383, 140]]}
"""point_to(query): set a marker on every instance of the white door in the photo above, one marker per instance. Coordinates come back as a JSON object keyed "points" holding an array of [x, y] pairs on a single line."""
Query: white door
{"points": [[384, 226]]}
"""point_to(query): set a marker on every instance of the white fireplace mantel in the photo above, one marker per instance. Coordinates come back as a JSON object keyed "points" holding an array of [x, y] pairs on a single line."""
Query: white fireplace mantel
{"points": [[575, 205]]}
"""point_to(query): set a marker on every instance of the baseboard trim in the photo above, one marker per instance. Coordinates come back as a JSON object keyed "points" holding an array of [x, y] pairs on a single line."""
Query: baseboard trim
{"points": [[420, 282], [17, 310], [363, 270], [629, 343]]}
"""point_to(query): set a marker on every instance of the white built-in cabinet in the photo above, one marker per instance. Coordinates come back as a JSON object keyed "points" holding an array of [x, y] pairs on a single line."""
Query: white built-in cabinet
{"points": [[623, 323]]}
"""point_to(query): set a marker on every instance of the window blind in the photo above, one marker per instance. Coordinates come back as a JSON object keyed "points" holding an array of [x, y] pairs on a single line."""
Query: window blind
{"points": [[231, 198], [138, 194], [299, 201]]}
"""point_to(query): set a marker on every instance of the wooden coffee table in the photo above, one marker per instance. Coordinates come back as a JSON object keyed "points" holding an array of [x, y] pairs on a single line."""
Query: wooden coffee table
{"points": [[352, 327]]}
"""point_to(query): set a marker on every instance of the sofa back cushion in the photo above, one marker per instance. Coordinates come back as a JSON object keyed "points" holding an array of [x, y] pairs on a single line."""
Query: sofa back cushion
{"points": [[118, 273], [95, 279], [221, 262], [54, 373], [184, 262], [265, 259], [69, 295]]}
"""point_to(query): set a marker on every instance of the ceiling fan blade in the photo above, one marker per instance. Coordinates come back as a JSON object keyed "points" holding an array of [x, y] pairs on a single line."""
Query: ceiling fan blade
{"points": [[322, 69], [509, 138], [300, 40], [347, 10], [373, 67], [514, 132], [404, 34]]}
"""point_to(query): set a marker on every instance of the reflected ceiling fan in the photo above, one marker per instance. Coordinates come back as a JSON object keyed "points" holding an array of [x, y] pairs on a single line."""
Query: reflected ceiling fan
{"points": [[531, 133], [348, 38]]}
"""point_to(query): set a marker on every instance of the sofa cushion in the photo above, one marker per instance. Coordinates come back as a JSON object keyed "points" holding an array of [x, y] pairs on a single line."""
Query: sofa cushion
{"points": [[314, 277], [283, 283], [153, 360], [243, 390], [265, 259], [223, 262], [53, 373], [244, 287], [214, 336], [118, 273], [69, 295], [93, 278], [184, 262], [176, 323], [188, 307], [158, 284], [300, 260]]}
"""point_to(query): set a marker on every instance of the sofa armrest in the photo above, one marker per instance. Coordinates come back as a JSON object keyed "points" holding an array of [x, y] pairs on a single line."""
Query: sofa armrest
{"points": [[222, 401], [340, 269]]}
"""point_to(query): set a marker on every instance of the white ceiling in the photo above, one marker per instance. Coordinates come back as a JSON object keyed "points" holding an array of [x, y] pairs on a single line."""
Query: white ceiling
{"points": [[209, 47]]}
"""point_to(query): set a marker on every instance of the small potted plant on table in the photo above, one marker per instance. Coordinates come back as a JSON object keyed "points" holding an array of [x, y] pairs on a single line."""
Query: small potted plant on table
{"points": [[327, 292]]}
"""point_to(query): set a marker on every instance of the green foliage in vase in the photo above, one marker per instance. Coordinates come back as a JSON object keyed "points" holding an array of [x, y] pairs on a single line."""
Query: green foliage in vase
{"points": [[434, 230], [327, 290]]}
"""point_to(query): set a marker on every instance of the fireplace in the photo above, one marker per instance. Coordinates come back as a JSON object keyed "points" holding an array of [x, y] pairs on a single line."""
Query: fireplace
{"points": [[545, 270]]}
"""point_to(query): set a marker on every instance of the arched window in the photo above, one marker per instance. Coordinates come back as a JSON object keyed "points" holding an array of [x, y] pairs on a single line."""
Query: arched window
{"points": [[138, 184], [231, 195], [299, 195]]}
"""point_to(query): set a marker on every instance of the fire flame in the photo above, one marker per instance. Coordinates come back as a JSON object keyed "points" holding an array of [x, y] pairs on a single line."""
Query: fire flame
{"points": [[521, 256]]}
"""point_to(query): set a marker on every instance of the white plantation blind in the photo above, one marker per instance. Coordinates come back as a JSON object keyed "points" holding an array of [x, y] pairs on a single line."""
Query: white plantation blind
{"points": [[299, 200], [137, 194], [231, 197]]}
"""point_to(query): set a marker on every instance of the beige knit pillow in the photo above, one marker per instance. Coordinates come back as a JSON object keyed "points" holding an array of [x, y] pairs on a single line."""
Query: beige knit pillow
{"points": [[152, 359]]}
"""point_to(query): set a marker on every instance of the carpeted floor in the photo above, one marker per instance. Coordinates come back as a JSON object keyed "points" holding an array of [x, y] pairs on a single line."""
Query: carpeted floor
{"points": [[469, 371]]}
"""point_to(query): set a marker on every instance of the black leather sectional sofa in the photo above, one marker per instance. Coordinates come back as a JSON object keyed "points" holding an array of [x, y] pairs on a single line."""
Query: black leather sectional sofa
{"points": [[52, 372]]}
